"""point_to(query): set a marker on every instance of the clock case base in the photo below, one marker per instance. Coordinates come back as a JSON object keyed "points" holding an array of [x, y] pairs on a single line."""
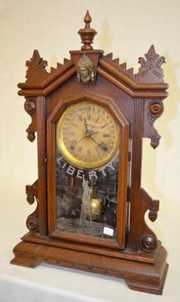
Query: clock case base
{"points": [[141, 272]]}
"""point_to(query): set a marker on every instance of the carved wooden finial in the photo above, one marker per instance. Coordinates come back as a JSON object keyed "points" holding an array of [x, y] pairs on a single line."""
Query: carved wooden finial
{"points": [[36, 68], [87, 19], [87, 33], [151, 69]]}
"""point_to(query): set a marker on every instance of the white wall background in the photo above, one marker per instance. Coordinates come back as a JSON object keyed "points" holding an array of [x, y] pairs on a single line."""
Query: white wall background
{"points": [[127, 28]]}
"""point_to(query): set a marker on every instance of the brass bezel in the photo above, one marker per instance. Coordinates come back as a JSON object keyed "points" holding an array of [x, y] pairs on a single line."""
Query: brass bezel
{"points": [[71, 158]]}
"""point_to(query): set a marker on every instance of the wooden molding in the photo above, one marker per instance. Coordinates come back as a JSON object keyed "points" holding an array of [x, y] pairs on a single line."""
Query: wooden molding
{"points": [[142, 277]]}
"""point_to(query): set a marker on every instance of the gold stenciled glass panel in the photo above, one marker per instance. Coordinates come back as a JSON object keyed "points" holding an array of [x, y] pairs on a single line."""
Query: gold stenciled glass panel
{"points": [[87, 164]]}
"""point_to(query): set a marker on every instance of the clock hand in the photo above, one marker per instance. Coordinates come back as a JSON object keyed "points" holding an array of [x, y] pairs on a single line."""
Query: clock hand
{"points": [[81, 139], [98, 130], [87, 132], [105, 125], [102, 146], [86, 126]]}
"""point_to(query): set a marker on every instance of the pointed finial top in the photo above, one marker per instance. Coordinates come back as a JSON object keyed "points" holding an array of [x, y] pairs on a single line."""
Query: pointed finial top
{"points": [[87, 19], [87, 33]]}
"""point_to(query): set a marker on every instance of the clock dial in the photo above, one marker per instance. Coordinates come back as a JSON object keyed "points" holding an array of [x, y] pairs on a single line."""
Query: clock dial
{"points": [[87, 135]]}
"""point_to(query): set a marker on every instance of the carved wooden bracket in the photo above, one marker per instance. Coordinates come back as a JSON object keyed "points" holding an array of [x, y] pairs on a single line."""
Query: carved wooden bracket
{"points": [[30, 107], [32, 221], [150, 70], [152, 111], [148, 240]]}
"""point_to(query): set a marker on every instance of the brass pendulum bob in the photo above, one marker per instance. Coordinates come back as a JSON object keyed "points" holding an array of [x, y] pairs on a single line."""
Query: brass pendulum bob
{"points": [[96, 206]]}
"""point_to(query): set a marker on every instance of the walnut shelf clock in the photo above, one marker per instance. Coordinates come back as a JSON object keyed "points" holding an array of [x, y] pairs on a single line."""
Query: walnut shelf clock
{"points": [[89, 117]]}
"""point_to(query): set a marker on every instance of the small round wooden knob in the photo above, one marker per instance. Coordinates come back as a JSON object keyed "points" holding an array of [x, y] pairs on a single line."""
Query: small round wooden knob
{"points": [[156, 108], [149, 243]]}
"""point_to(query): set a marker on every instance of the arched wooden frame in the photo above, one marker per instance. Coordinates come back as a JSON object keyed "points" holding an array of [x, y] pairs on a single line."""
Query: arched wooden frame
{"points": [[119, 243]]}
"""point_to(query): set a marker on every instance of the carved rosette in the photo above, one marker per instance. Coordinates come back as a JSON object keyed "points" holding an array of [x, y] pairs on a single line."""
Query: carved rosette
{"points": [[30, 108], [32, 221], [153, 110]]}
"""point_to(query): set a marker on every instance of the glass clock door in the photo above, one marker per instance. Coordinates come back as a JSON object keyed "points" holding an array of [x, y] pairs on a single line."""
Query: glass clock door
{"points": [[87, 169]]}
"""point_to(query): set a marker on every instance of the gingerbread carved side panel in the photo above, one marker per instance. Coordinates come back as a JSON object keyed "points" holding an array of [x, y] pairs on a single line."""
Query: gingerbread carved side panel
{"points": [[30, 107], [151, 71], [141, 237], [147, 239]]}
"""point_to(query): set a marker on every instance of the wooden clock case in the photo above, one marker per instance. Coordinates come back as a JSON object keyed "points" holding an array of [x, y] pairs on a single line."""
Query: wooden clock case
{"points": [[137, 101]]}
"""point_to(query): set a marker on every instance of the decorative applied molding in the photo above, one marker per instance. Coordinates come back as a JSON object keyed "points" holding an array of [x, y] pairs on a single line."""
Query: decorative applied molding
{"points": [[151, 70], [30, 108], [36, 71], [32, 221], [153, 110]]}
